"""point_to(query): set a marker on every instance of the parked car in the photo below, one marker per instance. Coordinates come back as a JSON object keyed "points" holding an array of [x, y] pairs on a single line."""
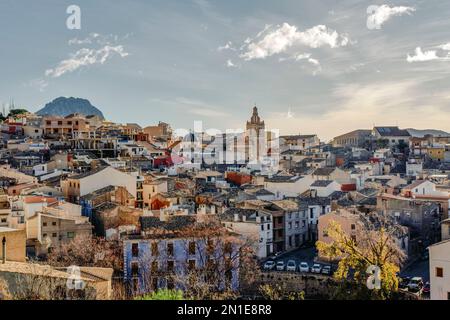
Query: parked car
{"points": [[280, 266], [415, 285], [403, 282], [269, 265], [291, 266], [326, 270], [304, 267], [316, 268], [426, 289]]}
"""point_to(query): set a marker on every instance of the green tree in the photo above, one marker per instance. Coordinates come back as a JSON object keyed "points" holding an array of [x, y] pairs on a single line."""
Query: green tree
{"points": [[163, 294], [279, 292], [15, 112]]}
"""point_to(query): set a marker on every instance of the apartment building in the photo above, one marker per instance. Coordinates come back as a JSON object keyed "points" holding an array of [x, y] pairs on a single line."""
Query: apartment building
{"points": [[79, 185], [5, 209], [71, 126], [53, 227], [296, 223], [155, 260], [255, 225]]}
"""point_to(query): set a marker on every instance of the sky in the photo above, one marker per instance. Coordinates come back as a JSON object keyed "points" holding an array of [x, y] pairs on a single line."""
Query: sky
{"points": [[311, 66]]}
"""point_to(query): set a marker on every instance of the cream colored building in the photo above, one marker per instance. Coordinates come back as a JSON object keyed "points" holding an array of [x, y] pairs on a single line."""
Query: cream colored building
{"points": [[80, 185], [53, 227], [152, 188], [15, 244], [440, 270]]}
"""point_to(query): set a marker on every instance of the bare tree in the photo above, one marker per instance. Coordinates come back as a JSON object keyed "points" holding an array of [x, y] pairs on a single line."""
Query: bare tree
{"points": [[88, 251]]}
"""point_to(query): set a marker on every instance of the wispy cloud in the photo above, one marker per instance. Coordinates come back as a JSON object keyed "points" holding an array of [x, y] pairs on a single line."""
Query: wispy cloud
{"points": [[85, 57], [230, 64], [97, 38], [287, 36], [39, 83], [379, 15], [88, 40], [195, 107], [227, 46], [429, 55]]}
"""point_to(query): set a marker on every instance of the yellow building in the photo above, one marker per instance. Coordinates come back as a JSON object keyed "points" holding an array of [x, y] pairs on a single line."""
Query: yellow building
{"points": [[436, 153]]}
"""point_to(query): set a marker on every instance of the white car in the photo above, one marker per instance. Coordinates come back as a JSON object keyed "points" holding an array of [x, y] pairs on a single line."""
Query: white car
{"points": [[304, 267], [280, 266], [291, 266], [326, 270], [415, 284], [269, 265], [316, 268]]}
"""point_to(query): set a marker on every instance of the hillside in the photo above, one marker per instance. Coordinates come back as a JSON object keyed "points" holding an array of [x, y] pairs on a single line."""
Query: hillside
{"points": [[64, 106]]}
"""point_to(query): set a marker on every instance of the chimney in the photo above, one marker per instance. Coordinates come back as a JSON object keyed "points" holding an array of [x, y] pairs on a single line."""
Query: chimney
{"points": [[4, 250]]}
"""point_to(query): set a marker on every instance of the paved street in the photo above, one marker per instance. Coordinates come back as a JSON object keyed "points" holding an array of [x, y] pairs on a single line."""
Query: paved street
{"points": [[418, 269], [298, 255]]}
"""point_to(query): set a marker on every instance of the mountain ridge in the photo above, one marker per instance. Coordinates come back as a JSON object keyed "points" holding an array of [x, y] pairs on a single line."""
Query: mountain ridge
{"points": [[63, 107]]}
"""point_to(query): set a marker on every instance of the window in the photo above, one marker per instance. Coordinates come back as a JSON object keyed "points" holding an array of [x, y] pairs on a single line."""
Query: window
{"points": [[155, 249], [353, 227], [192, 247], [44, 224], [170, 266], [70, 235], [44, 235], [135, 249], [134, 269], [290, 225], [54, 223], [155, 266], [262, 227], [170, 249], [439, 272], [191, 265], [59, 123], [54, 235], [170, 283]]}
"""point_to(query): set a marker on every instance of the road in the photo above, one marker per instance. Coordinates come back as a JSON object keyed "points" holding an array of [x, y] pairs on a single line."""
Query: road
{"points": [[418, 269], [298, 255]]}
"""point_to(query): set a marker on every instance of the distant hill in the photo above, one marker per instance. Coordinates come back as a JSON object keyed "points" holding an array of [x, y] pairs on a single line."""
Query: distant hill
{"points": [[64, 106], [422, 133]]}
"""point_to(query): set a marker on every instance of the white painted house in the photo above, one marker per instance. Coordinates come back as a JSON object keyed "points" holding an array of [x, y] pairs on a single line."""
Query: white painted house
{"points": [[288, 186], [440, 270]]}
